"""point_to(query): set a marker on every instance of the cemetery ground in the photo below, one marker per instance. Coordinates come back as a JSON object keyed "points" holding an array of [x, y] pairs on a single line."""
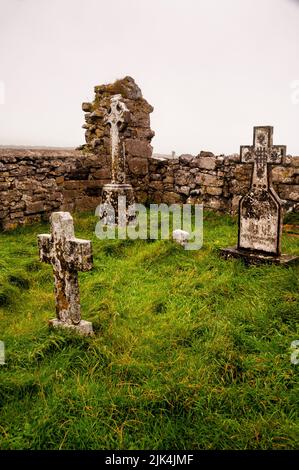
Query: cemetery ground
{"points": [[190, 351]]}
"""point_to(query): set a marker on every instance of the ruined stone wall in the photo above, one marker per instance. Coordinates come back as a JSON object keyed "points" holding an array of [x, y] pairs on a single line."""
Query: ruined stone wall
{"points": [[35, 182], [216, 181], [136, 133]]}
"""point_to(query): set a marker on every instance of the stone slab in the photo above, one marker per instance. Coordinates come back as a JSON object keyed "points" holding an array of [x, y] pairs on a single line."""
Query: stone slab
{"points": [[110, 198], [254, 258], [83, 328]]}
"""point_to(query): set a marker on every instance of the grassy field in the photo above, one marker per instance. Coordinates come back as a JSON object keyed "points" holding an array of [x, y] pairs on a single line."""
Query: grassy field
{"points": [[190, 351]]}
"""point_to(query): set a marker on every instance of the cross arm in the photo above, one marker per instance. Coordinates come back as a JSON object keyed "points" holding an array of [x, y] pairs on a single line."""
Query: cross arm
{"points": [[247, 154], [277, 153], [44, 245], [78, 254]]}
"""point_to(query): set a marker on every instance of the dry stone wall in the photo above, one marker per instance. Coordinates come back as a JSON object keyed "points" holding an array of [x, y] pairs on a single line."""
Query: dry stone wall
{"points": [[35, 182], [136, 134], [216, 181]]}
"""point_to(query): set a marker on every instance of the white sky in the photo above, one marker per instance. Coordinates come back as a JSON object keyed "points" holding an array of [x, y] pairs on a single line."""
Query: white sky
{"points": [[212, 69]]}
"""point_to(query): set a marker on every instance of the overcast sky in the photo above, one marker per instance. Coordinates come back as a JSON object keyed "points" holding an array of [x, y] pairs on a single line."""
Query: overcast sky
{"points": [[212, 69]]}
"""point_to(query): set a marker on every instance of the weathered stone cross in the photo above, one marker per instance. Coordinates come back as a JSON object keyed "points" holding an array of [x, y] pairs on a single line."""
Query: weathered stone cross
{"points": [[116, 118], [68, 255], [260, 154], [110, 213], [260, 218]]}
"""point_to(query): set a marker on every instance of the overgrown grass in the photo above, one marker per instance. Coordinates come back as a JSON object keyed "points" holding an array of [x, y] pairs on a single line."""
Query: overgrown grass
{"points": [[190, 351]]}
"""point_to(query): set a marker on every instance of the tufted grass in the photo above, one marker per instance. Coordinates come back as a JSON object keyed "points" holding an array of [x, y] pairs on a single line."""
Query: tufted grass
{"points": [[190, 351]]}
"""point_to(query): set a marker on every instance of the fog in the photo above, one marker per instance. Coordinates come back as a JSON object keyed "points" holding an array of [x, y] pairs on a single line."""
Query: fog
{"points": [[212, 69]]}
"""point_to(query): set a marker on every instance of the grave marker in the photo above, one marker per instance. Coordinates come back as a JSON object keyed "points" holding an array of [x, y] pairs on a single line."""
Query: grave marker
{"points": [[67, 255], [117, 117], [260, 210]]}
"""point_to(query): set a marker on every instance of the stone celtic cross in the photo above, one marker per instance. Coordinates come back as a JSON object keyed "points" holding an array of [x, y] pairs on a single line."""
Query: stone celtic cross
{"points": [[117, 117], [260, 218], [67, 255], [260, 154]]}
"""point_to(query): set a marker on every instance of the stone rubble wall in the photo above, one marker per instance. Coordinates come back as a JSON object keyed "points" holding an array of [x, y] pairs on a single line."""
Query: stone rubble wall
{"points": [[36, 182], [136, 133], [217, 181]]}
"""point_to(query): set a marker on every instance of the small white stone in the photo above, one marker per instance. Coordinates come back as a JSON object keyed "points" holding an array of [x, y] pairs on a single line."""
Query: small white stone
{"points": [[180, 236]]}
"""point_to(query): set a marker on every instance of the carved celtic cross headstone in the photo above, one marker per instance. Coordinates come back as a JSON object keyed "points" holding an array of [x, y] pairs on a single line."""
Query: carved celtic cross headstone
{"points": [[67, 255], [116, 118], [260, 210], [260, 218], [110, 212]]}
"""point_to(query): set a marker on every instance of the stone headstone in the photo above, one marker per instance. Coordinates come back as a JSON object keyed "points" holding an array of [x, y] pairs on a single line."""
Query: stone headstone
{"points": [[67, 255], [260, 210], [117, 117]]}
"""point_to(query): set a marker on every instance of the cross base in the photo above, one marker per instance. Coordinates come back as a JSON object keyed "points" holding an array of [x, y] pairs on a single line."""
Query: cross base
{"points": [[251, 257], [111, 194], [83, 328]]}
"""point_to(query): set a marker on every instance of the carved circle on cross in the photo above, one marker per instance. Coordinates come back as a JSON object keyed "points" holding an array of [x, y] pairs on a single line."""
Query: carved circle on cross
{"points": [[117, 113]]}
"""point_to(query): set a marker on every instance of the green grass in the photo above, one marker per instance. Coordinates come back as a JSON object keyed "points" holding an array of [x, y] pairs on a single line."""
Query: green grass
{"points": [[190, 351]]}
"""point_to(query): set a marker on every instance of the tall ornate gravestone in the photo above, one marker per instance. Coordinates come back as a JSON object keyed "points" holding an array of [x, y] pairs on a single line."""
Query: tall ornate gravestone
{"points": [[260, 210], [68, 255], [117, 117]]}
